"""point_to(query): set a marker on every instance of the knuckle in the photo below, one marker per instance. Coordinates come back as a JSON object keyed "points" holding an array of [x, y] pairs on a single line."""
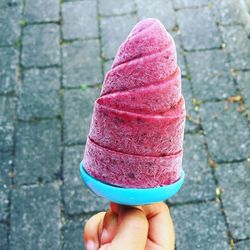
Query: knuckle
{"points": [[138, 220], [164, 208], [92, 221]]}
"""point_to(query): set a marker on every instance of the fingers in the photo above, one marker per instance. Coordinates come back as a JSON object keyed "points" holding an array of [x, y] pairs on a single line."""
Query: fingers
{"points": [[132, 229], [161, 229], [92, 231], [135, 228], [110, 225]]}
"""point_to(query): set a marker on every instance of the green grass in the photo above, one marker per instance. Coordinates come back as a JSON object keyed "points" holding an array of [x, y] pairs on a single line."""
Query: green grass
{"points": [[22, 23], [84, 86]]}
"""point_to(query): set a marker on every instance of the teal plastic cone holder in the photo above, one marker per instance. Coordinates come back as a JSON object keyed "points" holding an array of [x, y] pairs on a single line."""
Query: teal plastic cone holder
{"points": [[130, 196]]}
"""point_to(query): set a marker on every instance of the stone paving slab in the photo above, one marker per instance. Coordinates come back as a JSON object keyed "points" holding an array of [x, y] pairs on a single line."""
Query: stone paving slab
{"points": [[226, 131], [39, 93], [107, 66], [81, 63], [40, 45], [199, 183], [9, 25], [35, 218], [9, 3], [243, 245], [180, 53], [4, 236], [211, 79], [6, 163], [181, 62], [4, 204], [114, 31], [243, 83], [41, 11], [237, 45], [228, 12], [78, 107], [7, 119], [192, 117], [79, 25], [199, 226], [179, 4], [37, 151], [73, 233], [77, 197], [161, 9], [201, 34], [8, 69], [113, 7], [64, 1], [234, 180]]}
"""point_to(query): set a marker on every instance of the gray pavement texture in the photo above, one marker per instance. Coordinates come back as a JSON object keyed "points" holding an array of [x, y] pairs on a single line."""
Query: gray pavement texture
{"points": [[53, 58]]}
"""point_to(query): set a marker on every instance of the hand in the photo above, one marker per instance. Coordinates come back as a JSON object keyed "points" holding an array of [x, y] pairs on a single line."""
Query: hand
{"points": [[148, 227]]}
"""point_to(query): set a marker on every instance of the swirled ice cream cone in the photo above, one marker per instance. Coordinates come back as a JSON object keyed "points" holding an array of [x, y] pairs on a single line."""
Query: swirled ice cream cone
{"points": [[136, 134]]}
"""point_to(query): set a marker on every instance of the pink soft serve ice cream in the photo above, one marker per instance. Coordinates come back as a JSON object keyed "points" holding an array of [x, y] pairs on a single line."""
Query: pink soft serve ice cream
{"points": [[136, 134]]}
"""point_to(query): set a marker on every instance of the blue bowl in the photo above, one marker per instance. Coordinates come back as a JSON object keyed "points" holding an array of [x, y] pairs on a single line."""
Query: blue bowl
{"points": [[130, 196]]}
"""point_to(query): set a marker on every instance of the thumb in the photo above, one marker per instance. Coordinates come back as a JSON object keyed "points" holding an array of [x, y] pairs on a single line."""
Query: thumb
{"points": [[132, 230]]}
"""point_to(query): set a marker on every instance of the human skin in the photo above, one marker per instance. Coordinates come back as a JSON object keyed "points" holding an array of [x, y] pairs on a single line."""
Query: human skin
{"points": [[148, 227]]}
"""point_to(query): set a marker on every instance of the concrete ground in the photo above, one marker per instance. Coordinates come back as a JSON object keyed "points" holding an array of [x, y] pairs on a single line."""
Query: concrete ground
{"points": [[53, 57]]}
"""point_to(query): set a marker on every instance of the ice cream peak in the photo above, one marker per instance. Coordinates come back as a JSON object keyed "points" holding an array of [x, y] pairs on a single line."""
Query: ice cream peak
{"points": [[147, 37], [148, 42], [137, 127]]}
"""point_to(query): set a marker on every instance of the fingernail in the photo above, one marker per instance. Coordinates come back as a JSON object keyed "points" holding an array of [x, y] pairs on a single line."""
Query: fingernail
{"points": [[105, 235], [90, 245]]}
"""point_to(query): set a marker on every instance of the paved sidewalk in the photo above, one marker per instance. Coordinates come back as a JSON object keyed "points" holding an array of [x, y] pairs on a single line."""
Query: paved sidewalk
{"points": [[53, 57]]}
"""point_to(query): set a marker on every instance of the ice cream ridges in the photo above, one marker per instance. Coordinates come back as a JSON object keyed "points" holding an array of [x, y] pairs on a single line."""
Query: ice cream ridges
{"points": [[136, 133]]}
